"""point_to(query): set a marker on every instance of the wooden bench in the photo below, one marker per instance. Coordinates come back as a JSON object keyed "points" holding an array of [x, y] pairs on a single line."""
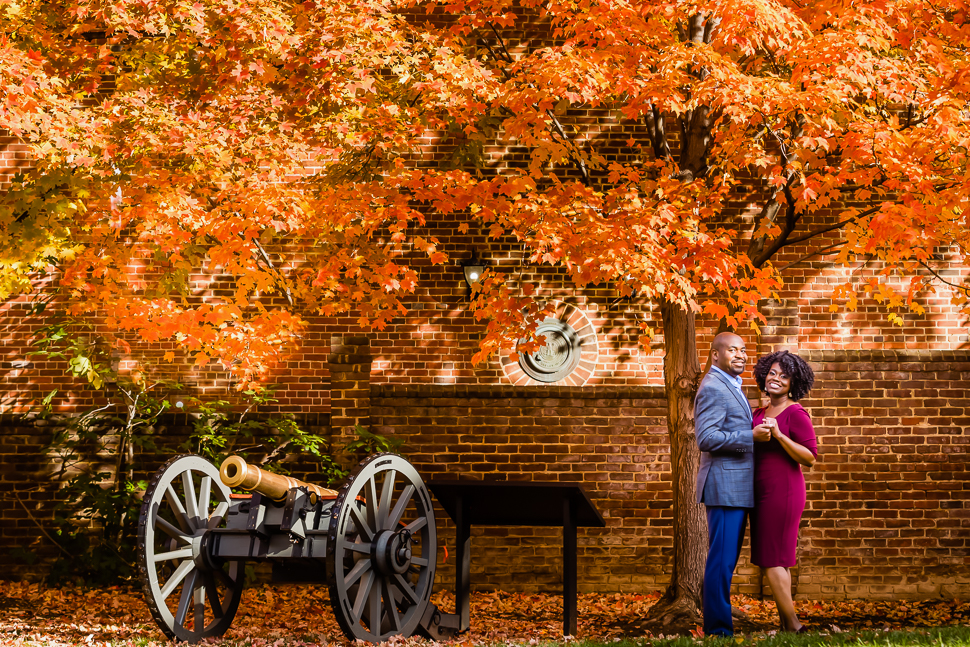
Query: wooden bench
{"points": [[513, 503]]}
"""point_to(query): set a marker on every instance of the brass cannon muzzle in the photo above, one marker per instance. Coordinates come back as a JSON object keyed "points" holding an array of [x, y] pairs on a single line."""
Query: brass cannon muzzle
{"points": [[235, 472]]}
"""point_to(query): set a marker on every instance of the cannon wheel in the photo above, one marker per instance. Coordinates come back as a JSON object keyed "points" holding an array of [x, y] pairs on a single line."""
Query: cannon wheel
{"points": [[191, 594], [381, 550]]}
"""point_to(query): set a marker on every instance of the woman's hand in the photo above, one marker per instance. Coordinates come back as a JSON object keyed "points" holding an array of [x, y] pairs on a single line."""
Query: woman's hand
{"points": [[801, 455], [772, 424], [761, 433]]}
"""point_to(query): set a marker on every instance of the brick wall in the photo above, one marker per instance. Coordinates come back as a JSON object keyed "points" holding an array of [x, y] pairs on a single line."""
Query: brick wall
{"points": [[25, 491], [887, 458], [889, 500], [434, 342], [612, 440], [30, 478], [888, 509]]}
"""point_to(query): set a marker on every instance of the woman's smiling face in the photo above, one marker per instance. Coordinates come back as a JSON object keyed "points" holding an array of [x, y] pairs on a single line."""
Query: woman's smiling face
{"points": [[777, 382]]}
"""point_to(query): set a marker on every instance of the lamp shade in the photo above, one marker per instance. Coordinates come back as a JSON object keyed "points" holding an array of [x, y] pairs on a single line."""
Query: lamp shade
{"points": [[473, 269]]}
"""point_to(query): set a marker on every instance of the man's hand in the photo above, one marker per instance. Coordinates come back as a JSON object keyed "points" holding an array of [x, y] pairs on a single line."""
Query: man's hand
{"points": [[761, 433]]}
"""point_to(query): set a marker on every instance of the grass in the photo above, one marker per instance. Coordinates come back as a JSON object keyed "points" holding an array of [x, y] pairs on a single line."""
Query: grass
{"points": [[954, 636], [32, 615]]}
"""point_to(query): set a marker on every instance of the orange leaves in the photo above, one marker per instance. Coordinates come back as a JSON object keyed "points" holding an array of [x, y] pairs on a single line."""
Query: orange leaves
{"points": [[758, 27], [272, 615], [247, 346], [266, 159], [511, 318], [514, 186], [717, 310], [431, 249]]}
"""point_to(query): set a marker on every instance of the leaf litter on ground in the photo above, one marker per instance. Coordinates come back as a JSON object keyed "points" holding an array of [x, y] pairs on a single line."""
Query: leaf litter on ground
{"points": [[295, 615]]}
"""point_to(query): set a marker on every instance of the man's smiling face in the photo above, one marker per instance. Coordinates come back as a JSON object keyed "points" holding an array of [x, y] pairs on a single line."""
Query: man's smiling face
{"points": [[730, 354]]}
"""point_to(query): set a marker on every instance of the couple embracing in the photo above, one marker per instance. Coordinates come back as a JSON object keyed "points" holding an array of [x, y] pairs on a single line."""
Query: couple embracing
{"points": [[751, 468]]}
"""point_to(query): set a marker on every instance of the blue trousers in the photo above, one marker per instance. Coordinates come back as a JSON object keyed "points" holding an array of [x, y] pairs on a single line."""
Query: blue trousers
{"points": [[725, 530]]}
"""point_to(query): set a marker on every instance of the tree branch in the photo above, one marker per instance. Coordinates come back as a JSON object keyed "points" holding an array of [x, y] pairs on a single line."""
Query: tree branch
{"points": [[791, 221], [277, 451], [501, 42], [818, 252], [40, 527], [269, 262], [837, 225], [576, 154], [657, 130], [770, 211], [963, 288]]}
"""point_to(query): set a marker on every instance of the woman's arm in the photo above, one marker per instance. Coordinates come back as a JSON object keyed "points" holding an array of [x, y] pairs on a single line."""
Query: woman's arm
{"points": [[802, 444], [799, 453]]}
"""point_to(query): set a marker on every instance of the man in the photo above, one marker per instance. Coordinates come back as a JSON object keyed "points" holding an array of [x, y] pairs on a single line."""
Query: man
{"points": [[725, 479]]}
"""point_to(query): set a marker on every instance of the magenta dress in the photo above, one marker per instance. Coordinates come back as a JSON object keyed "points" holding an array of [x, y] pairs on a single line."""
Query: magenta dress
{"points": [[779, 490]]}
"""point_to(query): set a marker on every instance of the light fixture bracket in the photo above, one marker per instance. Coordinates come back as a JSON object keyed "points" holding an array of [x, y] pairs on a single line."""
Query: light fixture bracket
{"points": [[472, 270]]}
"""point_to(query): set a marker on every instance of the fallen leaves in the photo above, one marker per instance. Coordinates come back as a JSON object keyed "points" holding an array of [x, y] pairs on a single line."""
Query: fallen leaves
{"points": [[32, 614]]}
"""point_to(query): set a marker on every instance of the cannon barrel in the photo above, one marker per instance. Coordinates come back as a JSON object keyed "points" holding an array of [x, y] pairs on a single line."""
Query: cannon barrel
{"points": [[236, 472]]}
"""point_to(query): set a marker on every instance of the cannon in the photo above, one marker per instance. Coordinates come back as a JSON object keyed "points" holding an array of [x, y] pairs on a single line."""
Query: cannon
{"points": [[373, 542]]}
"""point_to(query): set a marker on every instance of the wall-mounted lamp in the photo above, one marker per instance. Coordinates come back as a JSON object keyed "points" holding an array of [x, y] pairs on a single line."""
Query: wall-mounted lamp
{"points": [[632, 295], [473, 269]]}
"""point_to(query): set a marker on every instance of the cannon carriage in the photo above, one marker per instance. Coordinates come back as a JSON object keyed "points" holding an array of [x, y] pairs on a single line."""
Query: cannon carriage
{"points": [[373, 542]]}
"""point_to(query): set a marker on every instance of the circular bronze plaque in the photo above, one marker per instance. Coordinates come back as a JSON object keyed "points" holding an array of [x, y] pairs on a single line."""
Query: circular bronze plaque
{"points": [[559, 356]]}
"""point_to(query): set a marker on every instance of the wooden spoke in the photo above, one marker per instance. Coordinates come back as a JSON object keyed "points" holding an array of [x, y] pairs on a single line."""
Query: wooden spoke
{"points": [[387, 491], [184, 569], [185, 601], [182, 553], [176, 504], [367, 582], [417, 524], [374, 609], [370, 488], [405, 588], [212, 592], [356, 572], [205, 491], [390, 600], [198, 603], [224, 576], [171, 531], [394, 517], [359, 547], [362, 526], [191, 503], [218, 515]]}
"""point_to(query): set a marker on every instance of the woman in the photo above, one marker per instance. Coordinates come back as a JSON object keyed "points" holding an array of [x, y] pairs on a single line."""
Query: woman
{"points": [[779, 487]]}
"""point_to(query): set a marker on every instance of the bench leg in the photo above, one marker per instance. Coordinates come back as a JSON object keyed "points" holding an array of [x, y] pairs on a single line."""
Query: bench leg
{"points": [[568, 567], [463, 541]]}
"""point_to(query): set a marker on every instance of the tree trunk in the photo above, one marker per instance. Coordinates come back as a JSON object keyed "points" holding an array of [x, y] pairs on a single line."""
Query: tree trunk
{"points": [[678, 611]]}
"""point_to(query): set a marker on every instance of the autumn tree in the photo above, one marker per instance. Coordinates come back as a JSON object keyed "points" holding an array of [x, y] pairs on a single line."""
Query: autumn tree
{"points": [[857, 111], [203, 134], [169, 141]]}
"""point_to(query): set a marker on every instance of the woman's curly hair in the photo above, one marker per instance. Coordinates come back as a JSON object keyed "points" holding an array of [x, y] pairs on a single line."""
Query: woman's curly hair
{"points": [[801, 374]]}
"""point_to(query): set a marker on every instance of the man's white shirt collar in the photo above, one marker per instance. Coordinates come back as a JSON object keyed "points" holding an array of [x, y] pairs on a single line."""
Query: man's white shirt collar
{"points": [[736, 379]]}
